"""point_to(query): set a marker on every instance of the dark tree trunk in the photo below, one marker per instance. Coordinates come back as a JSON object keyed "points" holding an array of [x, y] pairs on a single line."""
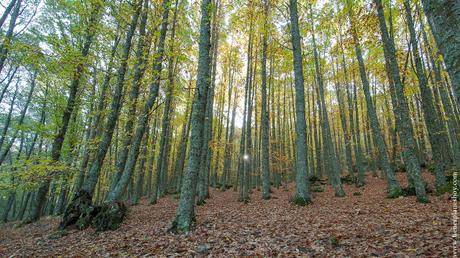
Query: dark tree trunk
{"points": [[444, 19]]}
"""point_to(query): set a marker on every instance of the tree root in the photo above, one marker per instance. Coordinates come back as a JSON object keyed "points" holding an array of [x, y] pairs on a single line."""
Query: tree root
{"points": [[81, 214]]}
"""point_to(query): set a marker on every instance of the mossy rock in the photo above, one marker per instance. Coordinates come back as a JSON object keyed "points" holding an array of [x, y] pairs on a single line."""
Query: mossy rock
{"points": [[81, 213]]}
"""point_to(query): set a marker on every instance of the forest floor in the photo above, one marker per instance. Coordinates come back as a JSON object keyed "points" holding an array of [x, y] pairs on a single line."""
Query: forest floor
{"points": [[357, 225]]}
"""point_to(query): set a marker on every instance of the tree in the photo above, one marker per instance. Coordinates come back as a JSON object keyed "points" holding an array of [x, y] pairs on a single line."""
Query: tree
{"points": [[394, 189], [443, 17], [264, 112], [302, 196], [435, 128], [401, 109], [185, 211], [74, 86]]}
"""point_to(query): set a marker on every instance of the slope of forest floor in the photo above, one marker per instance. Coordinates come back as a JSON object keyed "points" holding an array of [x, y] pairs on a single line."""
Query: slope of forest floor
{"points": [[364, 223]]}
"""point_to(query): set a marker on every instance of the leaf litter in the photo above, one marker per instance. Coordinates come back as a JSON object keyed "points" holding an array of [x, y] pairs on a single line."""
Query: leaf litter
{"points": [[363, 225]]}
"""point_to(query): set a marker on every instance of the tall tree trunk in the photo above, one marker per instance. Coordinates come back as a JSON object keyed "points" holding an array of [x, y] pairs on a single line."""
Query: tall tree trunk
{"points": [[343, 121], [444, 19], [92, 177], [437, 139], [394, 189], [302, 195], [264, 113], [228, 157], [141, 126], [206, 155], [96, 128], [143, 47], [74, 87], [334, 176], [401, 110], [185, 211]]}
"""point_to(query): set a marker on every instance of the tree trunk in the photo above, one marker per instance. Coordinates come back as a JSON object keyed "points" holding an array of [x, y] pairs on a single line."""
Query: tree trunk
{"points": [[444, 19], [143, 47], [302, 194], [432, 120], [334, 174], [74, 86], [264, 113], [401, 110], [5, 46], [185, 211], [394, 189], [141, 126]]}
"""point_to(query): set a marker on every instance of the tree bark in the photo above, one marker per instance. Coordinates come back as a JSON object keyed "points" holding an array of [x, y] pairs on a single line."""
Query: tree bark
{"points": [[401, 110], [437, 139], [185, 211], [302, 194], [264, 112], [444, 19]]}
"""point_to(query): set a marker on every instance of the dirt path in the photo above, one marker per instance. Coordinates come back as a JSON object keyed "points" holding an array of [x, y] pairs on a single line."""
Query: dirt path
{"points": [[357, 225]]}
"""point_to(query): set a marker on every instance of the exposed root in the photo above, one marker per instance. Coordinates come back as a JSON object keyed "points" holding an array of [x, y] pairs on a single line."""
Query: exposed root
{"points": [[81, 213]]}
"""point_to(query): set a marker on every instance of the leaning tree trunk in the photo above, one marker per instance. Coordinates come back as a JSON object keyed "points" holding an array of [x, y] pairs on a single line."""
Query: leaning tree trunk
{"points": [[143, 47], [20, 122], [74, 86], [8, 82], [95, 131], [7, 121], [444, 19], [6, 44], [401, 110], [81, 211], [432, 120], [6, 12], [117, 192], [394, 190]]}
